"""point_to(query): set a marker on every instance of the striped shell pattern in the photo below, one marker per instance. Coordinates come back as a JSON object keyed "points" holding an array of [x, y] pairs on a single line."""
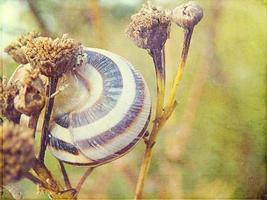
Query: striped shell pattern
{"points": [[103, 112]]}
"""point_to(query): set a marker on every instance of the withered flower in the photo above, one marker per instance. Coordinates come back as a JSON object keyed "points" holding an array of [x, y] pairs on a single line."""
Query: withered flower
{"points": [[7, 96], [187, 15], [31, 97], [149, 28], [16, 151], [53, 57], [17, 49]]}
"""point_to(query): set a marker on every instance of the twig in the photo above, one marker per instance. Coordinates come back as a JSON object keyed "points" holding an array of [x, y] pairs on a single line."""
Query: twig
{"points": [[36, 13], [33, 123], [48, 111], [159, 62], [160, 121], [179, 73], [209, 59], [65, 175], [45, 176], [83, 178], [158, 59], [35, 180]]}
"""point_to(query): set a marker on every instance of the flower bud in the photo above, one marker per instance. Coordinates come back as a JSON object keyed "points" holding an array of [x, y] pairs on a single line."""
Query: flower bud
{"points": [[187, 15], [149, 28]]}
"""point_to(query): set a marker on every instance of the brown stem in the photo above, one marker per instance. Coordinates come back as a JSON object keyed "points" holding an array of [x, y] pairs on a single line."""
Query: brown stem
{"points": [[33, 123], [45, 176], [48, 111], [65, 175], [34, 179], [83, 178], [158, 59]]}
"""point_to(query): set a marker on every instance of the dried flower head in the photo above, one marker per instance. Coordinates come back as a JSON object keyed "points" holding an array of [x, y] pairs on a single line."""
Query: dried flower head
{"points": [[16, 151], [31, 97], [149, 28], [187, 15], [17, 49], [53, 57], [7, 96]]}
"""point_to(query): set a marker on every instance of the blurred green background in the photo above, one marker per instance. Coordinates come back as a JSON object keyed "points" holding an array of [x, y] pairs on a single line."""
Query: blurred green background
{"points": [[214, 144]]}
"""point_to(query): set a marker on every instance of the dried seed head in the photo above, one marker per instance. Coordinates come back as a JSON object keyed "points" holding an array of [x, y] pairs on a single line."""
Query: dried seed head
{"points": [[7, 96], [31, 97], [149, 28], [187, 15], [17, 49], [53, 57], [16, 151]]}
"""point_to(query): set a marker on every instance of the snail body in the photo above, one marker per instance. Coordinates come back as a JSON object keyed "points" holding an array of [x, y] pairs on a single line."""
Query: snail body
{"points": [[103, 112]]}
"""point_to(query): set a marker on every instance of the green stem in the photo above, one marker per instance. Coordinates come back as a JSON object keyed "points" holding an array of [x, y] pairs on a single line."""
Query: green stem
{"points": [[162, 117]]}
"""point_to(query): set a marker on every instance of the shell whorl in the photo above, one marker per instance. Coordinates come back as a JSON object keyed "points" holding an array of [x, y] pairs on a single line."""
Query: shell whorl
{"points": [[103, 114]]}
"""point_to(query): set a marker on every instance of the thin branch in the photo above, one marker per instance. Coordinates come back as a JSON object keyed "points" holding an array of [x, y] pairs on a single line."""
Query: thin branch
{"points": [[179, 73], [202, 74], [83, 178], [45, 176], [158, 59], [48, 111], [65, 175], [34, 179], [159, 63], [161, 120], [33, 122]]}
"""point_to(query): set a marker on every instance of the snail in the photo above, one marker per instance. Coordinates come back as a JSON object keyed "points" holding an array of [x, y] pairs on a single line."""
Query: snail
{"points": [[102, 113]]}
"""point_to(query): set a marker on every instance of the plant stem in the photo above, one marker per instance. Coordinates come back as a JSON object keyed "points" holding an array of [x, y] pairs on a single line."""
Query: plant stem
{"points": [[45, 176], [159, 62], [181, 66], [83, 178], [65, 175], [158, 59], [34, 179], [33, 123], [162, 117], [48, 111]]}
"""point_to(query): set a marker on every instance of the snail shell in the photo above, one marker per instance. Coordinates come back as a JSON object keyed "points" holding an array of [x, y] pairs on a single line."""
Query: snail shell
{"points": [[102, 113]]}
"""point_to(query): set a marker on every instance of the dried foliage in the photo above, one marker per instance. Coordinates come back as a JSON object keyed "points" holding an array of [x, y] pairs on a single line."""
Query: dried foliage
{"points": [[17, 49], [31, 97], [7, 96], [53, 57], [16, 151]]}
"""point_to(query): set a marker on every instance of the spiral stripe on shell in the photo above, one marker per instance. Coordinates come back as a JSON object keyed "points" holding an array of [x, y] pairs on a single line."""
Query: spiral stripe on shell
{"points": [[103, 114]]}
